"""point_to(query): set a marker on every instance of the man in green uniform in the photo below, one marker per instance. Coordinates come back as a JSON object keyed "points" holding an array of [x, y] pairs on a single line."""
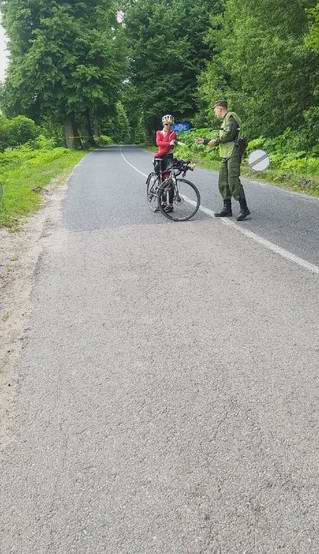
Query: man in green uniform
{"points": [[229, 173]]}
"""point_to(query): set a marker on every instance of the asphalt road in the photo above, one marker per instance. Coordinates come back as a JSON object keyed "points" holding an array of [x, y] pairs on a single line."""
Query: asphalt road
{"points": [[168, 390]]}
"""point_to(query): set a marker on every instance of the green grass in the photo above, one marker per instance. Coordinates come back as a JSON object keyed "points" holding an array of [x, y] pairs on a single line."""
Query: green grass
{"points": [[24, 173], [307, 184]]}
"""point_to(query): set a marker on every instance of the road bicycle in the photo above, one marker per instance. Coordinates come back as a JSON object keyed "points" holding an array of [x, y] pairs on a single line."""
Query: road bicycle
{"points": [[176, 197]]}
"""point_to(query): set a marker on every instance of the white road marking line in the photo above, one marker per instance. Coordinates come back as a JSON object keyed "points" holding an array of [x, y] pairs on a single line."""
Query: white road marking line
{"points": [[250, 234], [133, 166], [266, 243]]}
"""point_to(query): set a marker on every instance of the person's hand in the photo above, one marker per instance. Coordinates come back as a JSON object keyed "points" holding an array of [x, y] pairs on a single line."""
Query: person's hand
{"points": [[172, 143], [199, 140]]}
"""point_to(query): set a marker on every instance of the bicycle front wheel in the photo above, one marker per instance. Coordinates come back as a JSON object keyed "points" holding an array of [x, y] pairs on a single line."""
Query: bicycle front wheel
{"points": [[182, 200]]}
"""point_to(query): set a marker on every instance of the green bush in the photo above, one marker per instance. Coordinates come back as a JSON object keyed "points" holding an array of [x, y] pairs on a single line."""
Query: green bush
{"points": [[104, 140], [20, 130], [256, 144], [315, 151], [294, 144], [305, 167], [16, 131], [44, 143], [4, 133], [194, 151]]}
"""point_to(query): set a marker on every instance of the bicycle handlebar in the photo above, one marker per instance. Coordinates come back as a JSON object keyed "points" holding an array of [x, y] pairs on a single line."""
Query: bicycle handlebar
{"points": [[183, 166]]}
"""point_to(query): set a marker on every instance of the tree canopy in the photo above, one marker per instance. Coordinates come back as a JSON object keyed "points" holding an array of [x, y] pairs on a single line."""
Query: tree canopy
{"points": [[73, 64], [68, 60]]}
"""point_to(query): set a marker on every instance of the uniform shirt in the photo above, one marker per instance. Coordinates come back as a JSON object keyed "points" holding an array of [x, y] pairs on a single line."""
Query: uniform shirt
{"points": [[163, 142], [229, 134]]}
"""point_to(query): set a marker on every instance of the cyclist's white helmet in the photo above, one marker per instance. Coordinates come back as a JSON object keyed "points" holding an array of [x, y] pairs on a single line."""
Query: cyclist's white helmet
{"points": [[168, 119]]}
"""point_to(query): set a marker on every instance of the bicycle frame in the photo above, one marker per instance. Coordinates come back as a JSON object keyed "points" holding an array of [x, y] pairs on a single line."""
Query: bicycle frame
{"points": [[171, 178], [163, 186]]}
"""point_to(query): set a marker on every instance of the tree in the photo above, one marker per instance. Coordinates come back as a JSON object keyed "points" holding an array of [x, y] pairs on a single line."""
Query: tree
{"points": [[67, 61], [167, 53], [139, 135], [121, 131], [263, 66]]}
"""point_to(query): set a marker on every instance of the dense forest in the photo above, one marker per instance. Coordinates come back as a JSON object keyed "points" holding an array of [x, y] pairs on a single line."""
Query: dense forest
{"points": [[90, 68]]}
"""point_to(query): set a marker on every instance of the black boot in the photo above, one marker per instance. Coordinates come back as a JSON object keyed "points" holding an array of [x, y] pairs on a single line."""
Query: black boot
{"points": [[244, 211], [226, 211]]}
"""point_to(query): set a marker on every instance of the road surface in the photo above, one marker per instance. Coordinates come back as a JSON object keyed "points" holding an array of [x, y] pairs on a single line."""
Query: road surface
{"points": [[168, 388]]}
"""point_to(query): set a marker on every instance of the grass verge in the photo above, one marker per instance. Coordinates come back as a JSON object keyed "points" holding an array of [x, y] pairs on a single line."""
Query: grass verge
{"points": [[306, 184], [24, 173]]}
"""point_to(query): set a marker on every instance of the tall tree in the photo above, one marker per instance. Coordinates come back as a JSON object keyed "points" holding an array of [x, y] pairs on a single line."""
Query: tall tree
{"points": [[263, 66], [167, 52], [67, 60]]}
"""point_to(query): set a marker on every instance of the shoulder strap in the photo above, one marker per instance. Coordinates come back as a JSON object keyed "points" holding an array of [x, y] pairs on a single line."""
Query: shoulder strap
{"points": [[235, 117]]}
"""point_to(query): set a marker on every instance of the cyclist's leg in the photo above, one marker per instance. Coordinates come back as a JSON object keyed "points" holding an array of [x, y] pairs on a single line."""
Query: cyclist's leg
{"points": [[157, 162], [188, 204], [167, 165], [164, 175]]}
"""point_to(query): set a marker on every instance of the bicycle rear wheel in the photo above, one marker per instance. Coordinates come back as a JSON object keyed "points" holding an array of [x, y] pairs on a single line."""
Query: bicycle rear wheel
{"points": [[185, 201], [152, 185]]}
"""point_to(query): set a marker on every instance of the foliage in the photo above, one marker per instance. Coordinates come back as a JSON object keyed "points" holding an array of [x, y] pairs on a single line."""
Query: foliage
{"points": [[104, 140], [67, 60], [74, 66], [21, 129], [121, 131], [312, 39], [167, 52], [262, 67], [117, 125], [16, 131], [139, 135]]}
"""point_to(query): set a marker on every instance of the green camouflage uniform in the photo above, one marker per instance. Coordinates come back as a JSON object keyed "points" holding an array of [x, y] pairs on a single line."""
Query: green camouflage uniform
{"points": [[229, 173]]}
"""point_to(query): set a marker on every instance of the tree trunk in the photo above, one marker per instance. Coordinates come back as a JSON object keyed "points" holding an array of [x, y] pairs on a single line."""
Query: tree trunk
{"points": [[72, 138]]}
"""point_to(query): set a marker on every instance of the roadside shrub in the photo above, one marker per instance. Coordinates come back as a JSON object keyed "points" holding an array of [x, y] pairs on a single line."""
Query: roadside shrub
{"points": [[20, 130], [256, 144], [4, 133], [192, 150], [16, 131], [44, 143], [306, 167], [104, 140]]}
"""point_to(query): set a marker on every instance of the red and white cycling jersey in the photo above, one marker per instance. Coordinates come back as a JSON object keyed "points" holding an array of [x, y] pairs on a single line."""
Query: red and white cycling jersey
{"points": [[163, 142]]}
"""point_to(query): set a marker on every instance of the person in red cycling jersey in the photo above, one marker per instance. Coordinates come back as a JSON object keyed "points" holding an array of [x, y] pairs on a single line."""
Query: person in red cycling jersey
{"points": [[166, 140]]}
